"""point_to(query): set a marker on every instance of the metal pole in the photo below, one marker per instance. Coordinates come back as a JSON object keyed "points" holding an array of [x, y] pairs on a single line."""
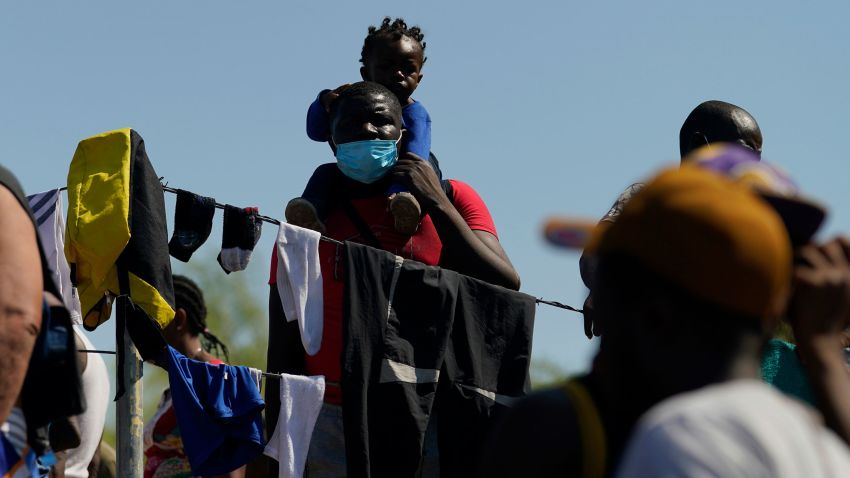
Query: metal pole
{"points": [[129, 410]]}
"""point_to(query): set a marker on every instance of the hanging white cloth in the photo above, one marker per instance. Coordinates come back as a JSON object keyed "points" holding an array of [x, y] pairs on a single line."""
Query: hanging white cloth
{"points": [[47, 210], [300, 402], [299, 282]]}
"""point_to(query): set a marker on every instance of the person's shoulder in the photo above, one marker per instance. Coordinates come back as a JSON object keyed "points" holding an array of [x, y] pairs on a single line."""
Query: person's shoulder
{"points": [[750, 406], [538, 436], [727, 399], [729, 428], [461, 187], [551, 402], [463, 194]]}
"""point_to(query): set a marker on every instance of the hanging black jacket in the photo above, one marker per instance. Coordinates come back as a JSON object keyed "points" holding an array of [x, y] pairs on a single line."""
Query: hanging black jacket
{"points": [[419, 339]]}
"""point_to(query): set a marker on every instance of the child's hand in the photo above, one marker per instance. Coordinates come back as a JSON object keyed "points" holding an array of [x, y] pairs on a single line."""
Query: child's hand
{"points": [[329, 97]]}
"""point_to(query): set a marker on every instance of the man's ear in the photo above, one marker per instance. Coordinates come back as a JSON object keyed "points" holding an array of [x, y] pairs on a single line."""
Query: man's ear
{"points": [[364, 73], [420, 78]]}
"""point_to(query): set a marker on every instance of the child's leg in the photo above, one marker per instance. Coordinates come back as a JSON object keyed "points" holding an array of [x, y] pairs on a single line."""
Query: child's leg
{"points": [[321, 188], [313, 206]]}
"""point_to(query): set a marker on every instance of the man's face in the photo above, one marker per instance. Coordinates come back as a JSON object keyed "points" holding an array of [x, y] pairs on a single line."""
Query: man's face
{"points": [[397, 65], [366, 117]]}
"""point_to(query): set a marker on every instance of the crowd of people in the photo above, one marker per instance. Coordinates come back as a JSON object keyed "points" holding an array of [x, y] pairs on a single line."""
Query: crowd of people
{"points": [[723, 321]]}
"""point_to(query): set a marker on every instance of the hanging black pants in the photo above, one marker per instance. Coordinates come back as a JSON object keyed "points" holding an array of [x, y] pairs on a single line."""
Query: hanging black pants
{"points": [[418, 339]]}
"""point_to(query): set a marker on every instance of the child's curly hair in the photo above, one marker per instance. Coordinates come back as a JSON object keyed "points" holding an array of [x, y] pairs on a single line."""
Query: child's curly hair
{"points": [[391, 30]]}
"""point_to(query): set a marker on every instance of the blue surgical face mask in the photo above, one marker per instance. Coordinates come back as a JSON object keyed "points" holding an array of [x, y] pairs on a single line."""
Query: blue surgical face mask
{"points": [[367, 161]]}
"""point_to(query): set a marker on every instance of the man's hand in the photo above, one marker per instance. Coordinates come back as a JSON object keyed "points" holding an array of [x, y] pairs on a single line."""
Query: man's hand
{"points": [[592, 327], [819, 312], [420, 178], [329, 97], [820, 304]]}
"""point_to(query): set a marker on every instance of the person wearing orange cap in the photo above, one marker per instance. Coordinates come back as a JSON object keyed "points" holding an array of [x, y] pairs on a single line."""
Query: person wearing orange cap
{"points": [[691, 279]]}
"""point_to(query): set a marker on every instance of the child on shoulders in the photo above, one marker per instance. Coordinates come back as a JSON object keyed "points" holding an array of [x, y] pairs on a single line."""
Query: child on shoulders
{"points": [[392, 55]]}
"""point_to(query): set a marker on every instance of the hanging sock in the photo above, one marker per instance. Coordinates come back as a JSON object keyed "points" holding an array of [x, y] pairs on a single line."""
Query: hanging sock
{"points": [[242, 229], [193, 218], [301, 399]]}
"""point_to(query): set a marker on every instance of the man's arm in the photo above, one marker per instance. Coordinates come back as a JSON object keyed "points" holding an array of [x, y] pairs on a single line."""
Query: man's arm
{"points": [[819, 313], [21, 289], [474, 253]]}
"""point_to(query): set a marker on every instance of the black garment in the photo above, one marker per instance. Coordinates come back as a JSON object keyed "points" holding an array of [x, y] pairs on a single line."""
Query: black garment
{"points": [[146, 255], [193, 216], [52, 388], [242, 230], [418, 339]]}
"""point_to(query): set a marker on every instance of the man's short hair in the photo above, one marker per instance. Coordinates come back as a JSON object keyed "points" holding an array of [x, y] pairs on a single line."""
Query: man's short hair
{"points": [[719, 121], [364, 89]]}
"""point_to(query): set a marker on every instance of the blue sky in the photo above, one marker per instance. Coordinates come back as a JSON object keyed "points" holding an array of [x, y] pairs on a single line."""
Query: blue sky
{"points": [[544, 107]]}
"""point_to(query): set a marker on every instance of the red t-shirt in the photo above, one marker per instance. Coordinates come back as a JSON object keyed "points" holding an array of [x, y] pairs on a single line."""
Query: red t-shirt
{"points": [[424, 246]]}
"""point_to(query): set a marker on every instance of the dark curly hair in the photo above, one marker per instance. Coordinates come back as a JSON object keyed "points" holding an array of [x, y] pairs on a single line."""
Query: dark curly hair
{"points": [[188, 296], [391, 30]]}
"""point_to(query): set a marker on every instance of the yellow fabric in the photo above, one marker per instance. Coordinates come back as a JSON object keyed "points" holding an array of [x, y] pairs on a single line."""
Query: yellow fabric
{"points": [[594, 449], [712, 237], [97, 228], [149, 299], [98, 208]]}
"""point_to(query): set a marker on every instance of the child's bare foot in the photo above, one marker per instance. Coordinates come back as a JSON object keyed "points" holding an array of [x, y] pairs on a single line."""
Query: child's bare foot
{"points": [[301, 212], [406, 211]]}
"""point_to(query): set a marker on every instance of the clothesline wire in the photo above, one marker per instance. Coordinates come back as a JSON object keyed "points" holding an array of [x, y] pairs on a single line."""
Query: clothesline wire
{"points": [[558, 305], [111, 352], [263, 218], [276, 222]]}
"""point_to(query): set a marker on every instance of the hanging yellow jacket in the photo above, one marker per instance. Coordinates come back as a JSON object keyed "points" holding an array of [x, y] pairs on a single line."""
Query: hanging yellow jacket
{"points": [[116, 216]]}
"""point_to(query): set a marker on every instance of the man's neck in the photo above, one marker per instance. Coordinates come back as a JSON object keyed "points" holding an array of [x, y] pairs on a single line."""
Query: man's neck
{"points": [[355, 190]]}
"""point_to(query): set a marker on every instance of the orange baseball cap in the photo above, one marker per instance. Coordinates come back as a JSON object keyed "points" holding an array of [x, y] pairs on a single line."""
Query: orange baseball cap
{"points": [[714, 238]]}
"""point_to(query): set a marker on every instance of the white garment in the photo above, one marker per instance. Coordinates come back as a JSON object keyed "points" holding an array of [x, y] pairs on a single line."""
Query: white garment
{"points": [[742, 428], [300, 401], [257, 376], [299, 282], [95, 385], [47, 210]]}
